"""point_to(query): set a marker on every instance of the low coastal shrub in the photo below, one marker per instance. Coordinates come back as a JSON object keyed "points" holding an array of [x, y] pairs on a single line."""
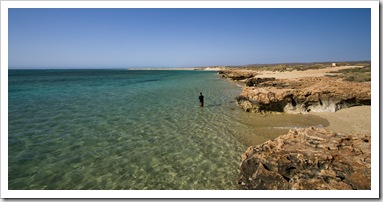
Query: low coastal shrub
{"points": [[361, 74]]}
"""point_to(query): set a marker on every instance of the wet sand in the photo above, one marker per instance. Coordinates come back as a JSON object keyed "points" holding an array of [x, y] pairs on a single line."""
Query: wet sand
{"points": [[259, 129], [354, 120]]}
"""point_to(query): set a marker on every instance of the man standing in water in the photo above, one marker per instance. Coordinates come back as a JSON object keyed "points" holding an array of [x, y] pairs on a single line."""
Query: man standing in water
{"points": [[201, 99]]}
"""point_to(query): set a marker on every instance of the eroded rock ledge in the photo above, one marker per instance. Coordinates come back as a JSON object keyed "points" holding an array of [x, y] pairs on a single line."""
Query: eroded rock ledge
{"points": [[236, 75], [309, 159], [302, 95]]}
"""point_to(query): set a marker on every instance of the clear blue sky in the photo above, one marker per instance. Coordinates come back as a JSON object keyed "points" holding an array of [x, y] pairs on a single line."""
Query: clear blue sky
{"points": [[120, 38]]}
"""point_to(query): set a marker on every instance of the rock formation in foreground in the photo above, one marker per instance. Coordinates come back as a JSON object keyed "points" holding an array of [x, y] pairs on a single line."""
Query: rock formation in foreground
{"points": [[308, 159], [302, 95]]}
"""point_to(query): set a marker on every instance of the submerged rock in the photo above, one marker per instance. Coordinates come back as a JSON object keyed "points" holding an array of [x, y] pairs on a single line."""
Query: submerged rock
{"points": [[308, 159], [302, 95]]}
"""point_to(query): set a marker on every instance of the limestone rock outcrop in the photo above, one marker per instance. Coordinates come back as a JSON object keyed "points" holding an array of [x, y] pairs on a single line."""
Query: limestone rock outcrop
{"points": [[236, 75], [308, 159], [302, 95]]}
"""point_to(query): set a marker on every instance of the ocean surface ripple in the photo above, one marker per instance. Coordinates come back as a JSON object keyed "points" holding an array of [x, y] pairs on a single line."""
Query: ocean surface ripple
{"points": [[122, 130]]}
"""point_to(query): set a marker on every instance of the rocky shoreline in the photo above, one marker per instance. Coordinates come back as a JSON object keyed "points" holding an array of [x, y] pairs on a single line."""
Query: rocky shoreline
{"points": [[299, 95], [309, 158]]}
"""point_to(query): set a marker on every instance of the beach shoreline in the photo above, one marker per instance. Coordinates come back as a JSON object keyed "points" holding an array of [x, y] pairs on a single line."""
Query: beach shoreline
{"points": [[334, 156]]}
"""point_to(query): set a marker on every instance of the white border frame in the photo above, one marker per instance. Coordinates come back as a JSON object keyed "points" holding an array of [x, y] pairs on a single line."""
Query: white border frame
{"points": [[373, 193]]}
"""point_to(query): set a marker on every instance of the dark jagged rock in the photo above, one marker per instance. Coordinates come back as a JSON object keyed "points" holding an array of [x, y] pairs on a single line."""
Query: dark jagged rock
{"points": [[308, 159]]}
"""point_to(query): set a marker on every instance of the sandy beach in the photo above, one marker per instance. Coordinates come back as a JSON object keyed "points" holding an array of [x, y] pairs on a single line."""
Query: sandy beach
{"points": [[351, 120], [300, 74]]}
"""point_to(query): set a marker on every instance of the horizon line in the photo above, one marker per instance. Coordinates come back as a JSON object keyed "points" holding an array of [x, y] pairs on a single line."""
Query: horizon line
{"points": [[205, 66]]}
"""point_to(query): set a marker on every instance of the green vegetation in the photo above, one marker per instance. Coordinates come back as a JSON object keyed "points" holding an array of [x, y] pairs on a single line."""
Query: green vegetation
{"points": [[361, 74]]}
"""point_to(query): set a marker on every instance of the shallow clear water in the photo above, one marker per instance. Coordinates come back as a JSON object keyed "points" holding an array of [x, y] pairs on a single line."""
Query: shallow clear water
{"points": [[119, 129]]}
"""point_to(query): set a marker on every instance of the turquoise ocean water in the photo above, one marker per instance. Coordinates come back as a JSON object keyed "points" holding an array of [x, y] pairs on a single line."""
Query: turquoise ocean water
{"points": [[120, 129]]}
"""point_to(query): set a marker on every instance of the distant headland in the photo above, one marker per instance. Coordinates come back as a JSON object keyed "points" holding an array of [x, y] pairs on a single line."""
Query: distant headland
{"points": [[281, 67]]}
